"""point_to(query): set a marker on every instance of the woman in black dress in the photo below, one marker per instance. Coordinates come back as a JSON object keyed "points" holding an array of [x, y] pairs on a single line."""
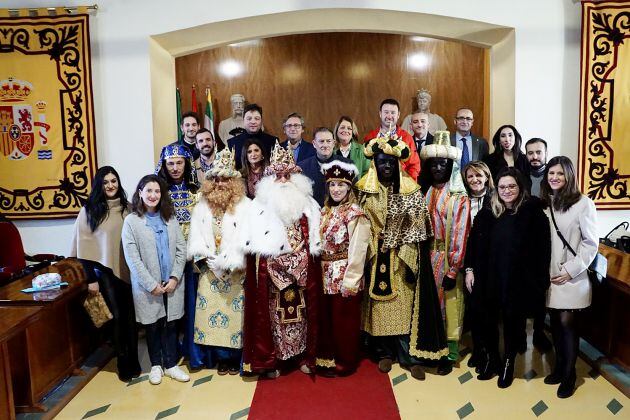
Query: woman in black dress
{"points": [[507, 268]]}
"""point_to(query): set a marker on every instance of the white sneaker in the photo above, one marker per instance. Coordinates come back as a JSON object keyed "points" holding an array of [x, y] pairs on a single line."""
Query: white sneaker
{"points": [[177, 373], [155, 376]]}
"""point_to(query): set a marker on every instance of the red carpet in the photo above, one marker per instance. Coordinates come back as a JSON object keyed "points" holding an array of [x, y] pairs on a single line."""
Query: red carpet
{"points": [[367, 394]]}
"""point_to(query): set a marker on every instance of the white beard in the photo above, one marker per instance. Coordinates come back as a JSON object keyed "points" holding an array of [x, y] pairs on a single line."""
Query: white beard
{"points": [[288, 200]]}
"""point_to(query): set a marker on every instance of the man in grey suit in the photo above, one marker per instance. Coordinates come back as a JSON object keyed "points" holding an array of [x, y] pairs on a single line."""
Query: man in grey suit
{"points": [[473, 147]]}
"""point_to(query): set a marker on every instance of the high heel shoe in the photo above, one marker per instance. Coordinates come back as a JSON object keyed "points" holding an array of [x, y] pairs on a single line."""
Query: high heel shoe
{"points": [[567, 386], [507, 373]]}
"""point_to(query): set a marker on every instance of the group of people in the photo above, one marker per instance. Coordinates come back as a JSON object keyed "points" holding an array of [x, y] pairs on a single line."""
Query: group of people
{"points": [[265, 256]]}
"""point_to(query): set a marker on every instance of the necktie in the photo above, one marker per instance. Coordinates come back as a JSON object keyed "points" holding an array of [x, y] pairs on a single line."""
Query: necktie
{"points": [[465, 157]]}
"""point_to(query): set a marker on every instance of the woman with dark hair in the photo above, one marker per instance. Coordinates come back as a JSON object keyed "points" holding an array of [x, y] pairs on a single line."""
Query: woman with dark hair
{"points": [[97, 243], [155, 251], [345, 234], [254, 160], [507, 269], [507, 152], [347, 137], [572, 215]]}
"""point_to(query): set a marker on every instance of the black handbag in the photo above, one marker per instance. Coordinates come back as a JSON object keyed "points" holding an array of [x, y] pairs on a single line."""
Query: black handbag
{"points": [[599, 266]]}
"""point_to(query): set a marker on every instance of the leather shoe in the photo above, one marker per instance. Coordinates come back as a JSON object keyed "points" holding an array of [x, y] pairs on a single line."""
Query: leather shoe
{"points": [[385, 365], [507, 373], [554, 378], [417, 372], [567, 386], [445, 366]]}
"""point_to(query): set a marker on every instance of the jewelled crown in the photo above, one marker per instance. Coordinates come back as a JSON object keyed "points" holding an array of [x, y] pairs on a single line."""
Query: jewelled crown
{"points": [[223, 165], [389, 143], [281, 161]]}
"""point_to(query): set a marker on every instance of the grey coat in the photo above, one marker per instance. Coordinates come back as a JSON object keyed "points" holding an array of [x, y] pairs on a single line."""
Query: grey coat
{"points": [[142, 258]]}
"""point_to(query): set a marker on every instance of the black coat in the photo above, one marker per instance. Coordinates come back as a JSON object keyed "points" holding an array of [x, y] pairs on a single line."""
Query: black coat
{"points": [[306, 150], [529, 277], [496, 162]]}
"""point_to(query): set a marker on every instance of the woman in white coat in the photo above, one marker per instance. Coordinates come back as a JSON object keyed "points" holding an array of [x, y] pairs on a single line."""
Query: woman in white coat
{"points": [[576, 220], [155, 251]]}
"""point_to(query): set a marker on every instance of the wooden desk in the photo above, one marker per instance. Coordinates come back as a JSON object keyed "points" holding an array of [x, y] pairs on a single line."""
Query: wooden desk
{"points": [[54, 346], [605, 324], [13, 321]]}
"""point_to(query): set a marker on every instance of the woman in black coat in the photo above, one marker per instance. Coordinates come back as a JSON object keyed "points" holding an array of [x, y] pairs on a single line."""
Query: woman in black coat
{"points": [[507, 269], [507, 153]]}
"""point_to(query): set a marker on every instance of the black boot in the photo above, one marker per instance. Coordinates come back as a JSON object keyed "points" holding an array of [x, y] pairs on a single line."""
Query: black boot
{"points": [[555, 377], [445, 366], [475, 358], [567, 386], [488, 367], [506, 376]]}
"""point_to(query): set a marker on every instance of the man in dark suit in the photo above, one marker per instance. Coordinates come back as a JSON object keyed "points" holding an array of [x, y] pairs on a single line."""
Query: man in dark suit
{"points": [[324, 144], [420, 126], [294, 129], [253, 128], [473, 147]]}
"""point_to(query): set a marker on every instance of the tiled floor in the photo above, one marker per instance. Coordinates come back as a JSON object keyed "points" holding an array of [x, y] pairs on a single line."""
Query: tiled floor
{"points": [[457, 395]]}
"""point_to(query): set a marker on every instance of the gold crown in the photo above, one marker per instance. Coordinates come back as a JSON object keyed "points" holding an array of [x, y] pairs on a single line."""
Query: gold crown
{"points": [[14, 90], [223, 165], [281, 156], [41, 106]]}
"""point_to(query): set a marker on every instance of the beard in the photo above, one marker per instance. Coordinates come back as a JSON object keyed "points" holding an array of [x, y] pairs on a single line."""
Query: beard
{"points": [[223, 198], [288, 200]]}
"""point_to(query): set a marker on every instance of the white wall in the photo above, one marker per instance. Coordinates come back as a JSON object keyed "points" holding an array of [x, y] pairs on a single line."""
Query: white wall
{"points": [[547, 74]]}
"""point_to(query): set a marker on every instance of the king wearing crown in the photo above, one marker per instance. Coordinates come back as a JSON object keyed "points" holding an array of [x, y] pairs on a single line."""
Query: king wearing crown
{"points": [[283, 285], [215, 315], [401, 311]]}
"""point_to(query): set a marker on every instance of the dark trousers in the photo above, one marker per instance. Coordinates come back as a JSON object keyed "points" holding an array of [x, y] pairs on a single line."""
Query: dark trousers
{"points": [[162, 343], [339, 329], [122, 327]]}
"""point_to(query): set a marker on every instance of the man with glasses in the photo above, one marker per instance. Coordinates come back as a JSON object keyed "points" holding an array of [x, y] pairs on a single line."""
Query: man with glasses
{"points": [[293, 126], [473, 147]]}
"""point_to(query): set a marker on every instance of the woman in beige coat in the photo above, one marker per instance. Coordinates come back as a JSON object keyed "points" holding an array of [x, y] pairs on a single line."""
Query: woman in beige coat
{"points": [[576, 220]]}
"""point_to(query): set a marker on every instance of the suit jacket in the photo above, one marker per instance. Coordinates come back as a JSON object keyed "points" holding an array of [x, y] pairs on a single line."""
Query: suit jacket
{"points": [[310, 168], [427, 142], [237, 142], [306, 150], [480, 147]]}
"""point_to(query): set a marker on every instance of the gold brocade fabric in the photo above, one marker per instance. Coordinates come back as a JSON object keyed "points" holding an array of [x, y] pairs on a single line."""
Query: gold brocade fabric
{"points": [[219, 308], [402, 221], [47, 144]]}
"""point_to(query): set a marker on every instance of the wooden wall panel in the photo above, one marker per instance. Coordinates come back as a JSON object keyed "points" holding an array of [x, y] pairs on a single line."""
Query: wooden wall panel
{"points": [[325, 75]]}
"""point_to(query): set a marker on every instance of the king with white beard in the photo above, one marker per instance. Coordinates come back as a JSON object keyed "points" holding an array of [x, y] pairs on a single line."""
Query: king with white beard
{"points": [[283, 281]]}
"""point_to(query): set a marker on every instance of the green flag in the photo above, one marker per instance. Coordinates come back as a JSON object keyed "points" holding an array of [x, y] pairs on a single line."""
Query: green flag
{"points": [[178, 100]]}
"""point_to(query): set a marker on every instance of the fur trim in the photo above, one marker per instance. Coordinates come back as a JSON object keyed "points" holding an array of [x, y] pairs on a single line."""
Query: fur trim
{"points": [[201, 239], [349, 167], [266, 233]]}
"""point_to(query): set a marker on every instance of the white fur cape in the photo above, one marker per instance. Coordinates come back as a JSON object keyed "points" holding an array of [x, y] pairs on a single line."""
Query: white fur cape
{"points": [[201, 239], [266, 233]]}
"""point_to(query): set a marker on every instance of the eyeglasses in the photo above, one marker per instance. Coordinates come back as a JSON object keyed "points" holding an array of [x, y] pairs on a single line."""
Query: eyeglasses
{"points": [[292, 125], [510, 187], [464, 119]]}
